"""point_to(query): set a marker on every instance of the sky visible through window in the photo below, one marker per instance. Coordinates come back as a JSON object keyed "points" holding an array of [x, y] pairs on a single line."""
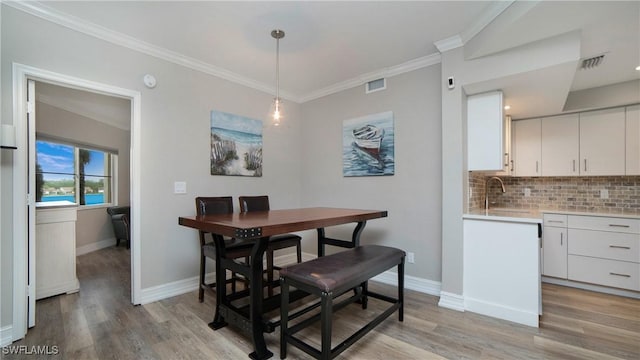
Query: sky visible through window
{"points": [[59, 158]]}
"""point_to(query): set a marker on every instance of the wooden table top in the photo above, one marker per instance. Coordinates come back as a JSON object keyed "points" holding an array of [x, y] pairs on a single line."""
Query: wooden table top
{"points": [[267, 223]]}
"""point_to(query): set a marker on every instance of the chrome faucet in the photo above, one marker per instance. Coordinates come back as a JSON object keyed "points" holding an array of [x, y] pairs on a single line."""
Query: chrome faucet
{"points": [[486, 190]]}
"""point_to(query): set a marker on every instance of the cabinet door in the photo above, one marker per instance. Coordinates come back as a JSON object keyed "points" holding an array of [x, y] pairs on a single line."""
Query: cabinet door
{"points": [[526, 147], [560, 145], [485, 132], [633, 140], [602, 142], [554, 252]]}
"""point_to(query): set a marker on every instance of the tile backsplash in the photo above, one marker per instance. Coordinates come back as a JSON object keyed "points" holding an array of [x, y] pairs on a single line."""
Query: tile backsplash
{"points": [[598, 194]]}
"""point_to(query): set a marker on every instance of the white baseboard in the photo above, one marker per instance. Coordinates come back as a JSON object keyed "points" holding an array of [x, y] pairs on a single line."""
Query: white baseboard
{"points": [[451, 301], [592, 287], [6, 336], [164, 291], [502, 312], [85, 249]]}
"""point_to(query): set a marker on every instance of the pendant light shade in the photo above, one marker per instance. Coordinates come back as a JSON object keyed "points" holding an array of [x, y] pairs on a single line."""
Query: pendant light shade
{"points": [[276, 106]]}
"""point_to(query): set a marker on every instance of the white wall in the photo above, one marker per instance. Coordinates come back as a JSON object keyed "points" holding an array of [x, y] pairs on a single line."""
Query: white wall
{"points": [[411, 196], [174, 140]]}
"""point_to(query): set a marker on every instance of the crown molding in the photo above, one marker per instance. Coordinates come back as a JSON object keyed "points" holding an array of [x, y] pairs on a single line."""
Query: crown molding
{"points": [[45, 12], [42, 11], [386, 72], [485, 19]]}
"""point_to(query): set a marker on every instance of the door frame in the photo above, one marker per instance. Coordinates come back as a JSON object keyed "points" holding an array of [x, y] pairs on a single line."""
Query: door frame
{"points": [[22, 73]]}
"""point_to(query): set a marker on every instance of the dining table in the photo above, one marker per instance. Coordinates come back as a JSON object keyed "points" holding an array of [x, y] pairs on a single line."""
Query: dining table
{"points": [[257, 227]]}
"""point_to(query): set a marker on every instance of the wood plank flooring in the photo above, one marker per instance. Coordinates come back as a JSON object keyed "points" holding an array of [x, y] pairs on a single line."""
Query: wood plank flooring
{"points": [[100, 323]]}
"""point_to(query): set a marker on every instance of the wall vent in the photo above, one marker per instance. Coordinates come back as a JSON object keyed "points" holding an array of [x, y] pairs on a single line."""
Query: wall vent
{"points": [[375, 85], [592, 62]]}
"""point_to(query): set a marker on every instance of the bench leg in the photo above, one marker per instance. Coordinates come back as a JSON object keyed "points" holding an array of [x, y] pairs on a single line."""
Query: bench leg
{"points": [[326, 312], [284, 316], [401, 289], [365, 289]]}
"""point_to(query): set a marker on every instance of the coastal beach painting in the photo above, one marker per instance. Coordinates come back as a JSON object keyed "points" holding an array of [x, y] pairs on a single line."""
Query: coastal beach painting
{"points": [[236, 145], [368, 145]]}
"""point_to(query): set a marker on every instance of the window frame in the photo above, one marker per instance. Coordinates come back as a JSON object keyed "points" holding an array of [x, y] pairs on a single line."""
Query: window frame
{"points": [[110, 165]]}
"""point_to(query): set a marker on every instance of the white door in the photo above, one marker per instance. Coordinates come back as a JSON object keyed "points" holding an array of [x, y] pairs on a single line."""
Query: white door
{"points": [[526, 147], [602, 142], [31, 202], [560, 145]]}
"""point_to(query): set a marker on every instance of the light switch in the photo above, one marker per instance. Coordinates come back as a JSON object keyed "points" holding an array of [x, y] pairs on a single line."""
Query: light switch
{"points": [[180, 187], [527, 192], [604, 194]]}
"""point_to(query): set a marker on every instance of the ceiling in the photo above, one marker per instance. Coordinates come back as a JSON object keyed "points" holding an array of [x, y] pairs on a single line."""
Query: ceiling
{"points": [[330, 46]]}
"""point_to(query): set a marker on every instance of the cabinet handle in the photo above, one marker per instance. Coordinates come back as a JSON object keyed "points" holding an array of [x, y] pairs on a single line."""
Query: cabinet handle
{"points": [[511, 165], [620, 226], [555, 221], [536, 166], [620, 247], [623, 275], [585, 165], [561, 237], [574, 165]]}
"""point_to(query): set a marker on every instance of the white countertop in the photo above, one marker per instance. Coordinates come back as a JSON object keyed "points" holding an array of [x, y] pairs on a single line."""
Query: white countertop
{"points": [[533, 215]]}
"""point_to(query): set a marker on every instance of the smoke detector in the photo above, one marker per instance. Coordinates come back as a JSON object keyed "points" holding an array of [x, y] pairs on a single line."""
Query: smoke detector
{"points": [[592, 62]]}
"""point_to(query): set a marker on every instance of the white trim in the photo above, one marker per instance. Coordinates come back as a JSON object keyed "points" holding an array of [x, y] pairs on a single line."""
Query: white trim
{"points": [[45, 12], [5, 336], [86, 27], [164, 291], [410, 282], [85, 249], [501, 312], [451, 301], [405, 67], [20, 75], [449, 43]]}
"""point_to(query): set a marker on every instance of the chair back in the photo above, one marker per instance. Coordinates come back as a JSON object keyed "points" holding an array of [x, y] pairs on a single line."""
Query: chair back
{"points": [[211, 205], [254, 203], [214, 205]]}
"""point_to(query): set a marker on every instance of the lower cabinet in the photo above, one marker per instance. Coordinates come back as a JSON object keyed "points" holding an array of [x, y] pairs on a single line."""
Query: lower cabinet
{"points": [[597, 249]]}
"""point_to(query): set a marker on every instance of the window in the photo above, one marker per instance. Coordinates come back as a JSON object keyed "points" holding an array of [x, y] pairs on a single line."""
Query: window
{"points": [[78, 174]]}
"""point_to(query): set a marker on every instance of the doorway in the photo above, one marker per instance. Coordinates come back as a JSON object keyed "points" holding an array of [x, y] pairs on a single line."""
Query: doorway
{"points": [[24, 184]]}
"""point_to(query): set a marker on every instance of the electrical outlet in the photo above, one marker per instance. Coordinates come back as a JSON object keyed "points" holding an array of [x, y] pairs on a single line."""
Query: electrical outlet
{"points": [[527, 192], [411, 258], [604, 194]]}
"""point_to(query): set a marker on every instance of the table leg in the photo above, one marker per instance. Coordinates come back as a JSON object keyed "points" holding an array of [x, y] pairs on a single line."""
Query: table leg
{"points": [[255, 298], [355, 239], [221, 283]]}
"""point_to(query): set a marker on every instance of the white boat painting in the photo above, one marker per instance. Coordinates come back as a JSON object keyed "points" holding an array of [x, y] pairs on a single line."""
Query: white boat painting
{"points": [[368, 145], [236, 145]]}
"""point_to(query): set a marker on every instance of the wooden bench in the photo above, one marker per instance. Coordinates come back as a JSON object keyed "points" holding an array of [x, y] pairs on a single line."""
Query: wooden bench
{"points": [[329, 277]]}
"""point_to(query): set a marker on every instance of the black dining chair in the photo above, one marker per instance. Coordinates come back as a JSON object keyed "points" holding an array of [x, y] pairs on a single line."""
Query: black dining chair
{"points": [[276, 242], [120, 219], [233, 249]]}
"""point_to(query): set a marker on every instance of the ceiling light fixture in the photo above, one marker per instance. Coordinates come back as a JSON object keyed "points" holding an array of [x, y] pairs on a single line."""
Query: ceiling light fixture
{"points": [[638, 67], [276, 107], [507, 107]]}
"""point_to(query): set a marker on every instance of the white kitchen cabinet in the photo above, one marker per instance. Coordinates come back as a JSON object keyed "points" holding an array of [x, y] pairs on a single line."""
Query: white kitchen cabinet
{"points": [[602, 142], [560, 145], [604, 251], [554, 246], [485, 132], [526, 147], [56, 249], [633, 140]]}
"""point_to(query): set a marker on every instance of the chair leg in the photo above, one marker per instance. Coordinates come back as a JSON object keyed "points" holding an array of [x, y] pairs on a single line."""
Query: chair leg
{"points": [[299, 252], [117, 242], [202, 284]]}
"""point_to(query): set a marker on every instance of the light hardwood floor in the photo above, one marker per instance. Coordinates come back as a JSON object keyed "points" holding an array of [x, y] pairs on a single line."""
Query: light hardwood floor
{"points": [[100, 323]]}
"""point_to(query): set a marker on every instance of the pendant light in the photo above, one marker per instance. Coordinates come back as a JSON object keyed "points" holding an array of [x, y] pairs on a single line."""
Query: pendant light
{"points": [[276, 107]]}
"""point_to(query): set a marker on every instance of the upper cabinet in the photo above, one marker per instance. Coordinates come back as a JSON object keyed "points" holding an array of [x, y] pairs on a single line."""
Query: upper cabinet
{"points": [[526, 147], [595, 143], [633, 140], [560, 145], [485, 132], [602, 142]]}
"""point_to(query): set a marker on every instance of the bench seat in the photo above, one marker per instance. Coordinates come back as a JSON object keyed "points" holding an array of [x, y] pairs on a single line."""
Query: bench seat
{"points": [[331, 276]]}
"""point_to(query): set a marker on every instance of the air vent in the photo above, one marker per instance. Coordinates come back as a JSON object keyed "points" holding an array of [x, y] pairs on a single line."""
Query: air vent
{"points": [[375, 85], [592, 62]]}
